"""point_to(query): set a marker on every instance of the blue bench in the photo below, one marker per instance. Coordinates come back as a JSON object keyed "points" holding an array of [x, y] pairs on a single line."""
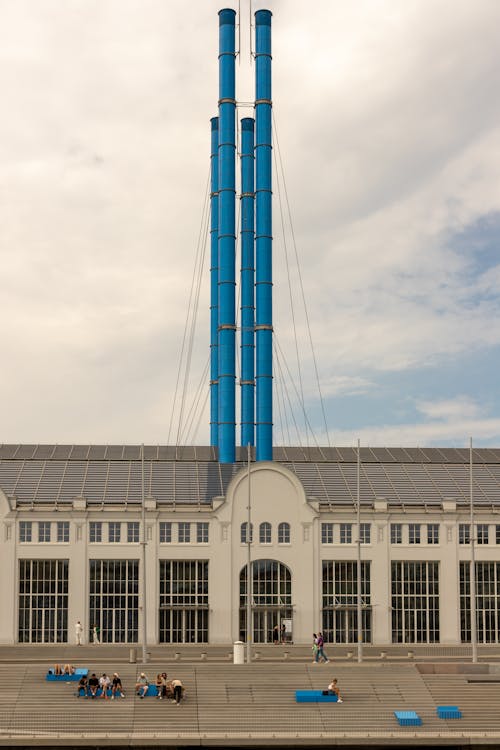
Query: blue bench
{"points": [[151, 692], [78, 674], [408, 718], [314, 696], [448, 712]]}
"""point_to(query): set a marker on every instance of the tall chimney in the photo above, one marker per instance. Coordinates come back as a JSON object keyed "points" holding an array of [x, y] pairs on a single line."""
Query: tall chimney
{"points": [[263, 238], [227, 236], [247, 283], [214, 281]]}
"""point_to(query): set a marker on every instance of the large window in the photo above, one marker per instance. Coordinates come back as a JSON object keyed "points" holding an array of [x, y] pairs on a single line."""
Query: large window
{"points": [[327, 533], [44, 531], [271, 599], [132, 532], [432, 533], [114, 600], [346, 533], [165, 532], [43, 601], [413, 533], [202, 532], [482, 533], [340, 601], [396, 533], [415, 602], [184, 532], [243, 533], [265, 533], [114, 532], [183, 601], [284, 533], [487, 602], [95, 532], [25, 529], [463, 533], [63, 532], [364, 533]]}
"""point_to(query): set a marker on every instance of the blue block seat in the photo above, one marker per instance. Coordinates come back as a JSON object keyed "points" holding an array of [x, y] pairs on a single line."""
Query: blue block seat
{"points": [[448, 712], [408, 718], [314, 696], [151, 692], [51, 677], [82, 693]]}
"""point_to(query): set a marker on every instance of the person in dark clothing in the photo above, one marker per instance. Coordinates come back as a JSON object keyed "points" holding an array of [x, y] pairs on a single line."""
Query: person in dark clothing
{"points": [[93, 685]]}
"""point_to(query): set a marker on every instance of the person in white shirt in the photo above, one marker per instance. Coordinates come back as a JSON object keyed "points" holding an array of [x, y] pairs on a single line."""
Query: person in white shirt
{"points": [[78, 632]]}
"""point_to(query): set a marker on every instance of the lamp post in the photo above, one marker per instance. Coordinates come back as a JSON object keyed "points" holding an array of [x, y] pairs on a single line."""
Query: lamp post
{"points": [[249, 562], [473, 630], [358, 513], [143, 545]]}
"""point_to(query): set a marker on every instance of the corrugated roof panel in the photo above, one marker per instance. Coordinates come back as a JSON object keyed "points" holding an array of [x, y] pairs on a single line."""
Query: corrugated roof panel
{"points": [[9, 473], [162, 484], [117, 484], [114, 452], [50, 483], [379, 481], [25, 452], [95, 481], [29, 479], [80, 452], [74, 476], [8, 450]]}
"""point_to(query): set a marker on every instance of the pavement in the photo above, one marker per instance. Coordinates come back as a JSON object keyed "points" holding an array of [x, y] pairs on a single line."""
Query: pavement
{"points": [[253, 704]]}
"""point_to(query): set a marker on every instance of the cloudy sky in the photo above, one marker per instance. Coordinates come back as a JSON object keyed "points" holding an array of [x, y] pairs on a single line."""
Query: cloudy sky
{"points": [[388, 127]]}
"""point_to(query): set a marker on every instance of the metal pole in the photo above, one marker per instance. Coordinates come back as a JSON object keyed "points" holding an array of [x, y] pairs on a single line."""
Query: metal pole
{"points": [[249, 565], [473, 630], [358, 509], [143, 543]]}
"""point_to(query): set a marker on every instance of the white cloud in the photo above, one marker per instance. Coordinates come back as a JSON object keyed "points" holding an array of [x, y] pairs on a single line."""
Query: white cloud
{"points": [[388, 126]]}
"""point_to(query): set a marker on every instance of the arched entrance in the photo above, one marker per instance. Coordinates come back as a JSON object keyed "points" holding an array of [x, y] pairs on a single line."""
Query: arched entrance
{"points": [[271, 600]]}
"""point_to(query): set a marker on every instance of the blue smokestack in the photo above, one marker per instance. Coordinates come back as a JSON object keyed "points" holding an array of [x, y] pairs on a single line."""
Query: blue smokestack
{"points": [[227, 236], [247, 282], [214, 281], [263, 238]]}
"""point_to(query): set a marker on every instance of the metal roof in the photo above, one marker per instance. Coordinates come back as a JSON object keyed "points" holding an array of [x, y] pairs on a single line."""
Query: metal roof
{"points": [[191, 475]]}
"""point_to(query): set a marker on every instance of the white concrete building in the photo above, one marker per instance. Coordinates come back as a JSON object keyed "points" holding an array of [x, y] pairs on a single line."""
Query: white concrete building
{"points": [[71, 544]]}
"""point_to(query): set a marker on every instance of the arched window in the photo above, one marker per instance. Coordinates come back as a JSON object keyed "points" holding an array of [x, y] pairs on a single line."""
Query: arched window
{"points": [[284, 533], [265, 533], [243, 533]]}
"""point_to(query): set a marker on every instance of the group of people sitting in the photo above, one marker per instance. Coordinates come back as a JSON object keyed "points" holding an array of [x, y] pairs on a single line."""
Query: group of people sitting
{"points": [[165, 688], [93, 686], [90, 686]]}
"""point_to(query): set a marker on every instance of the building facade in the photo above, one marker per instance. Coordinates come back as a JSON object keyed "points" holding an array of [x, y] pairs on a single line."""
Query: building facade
{"points": [[72, 544]]}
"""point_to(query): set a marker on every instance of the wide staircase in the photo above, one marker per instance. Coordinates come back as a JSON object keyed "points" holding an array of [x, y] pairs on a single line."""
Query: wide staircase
{"points": [[252, 704]]}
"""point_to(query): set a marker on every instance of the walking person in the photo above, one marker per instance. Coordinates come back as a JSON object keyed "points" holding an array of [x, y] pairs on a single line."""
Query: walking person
{"points": [[320, 652], [315, 648], [78, 633], [95, 634]]}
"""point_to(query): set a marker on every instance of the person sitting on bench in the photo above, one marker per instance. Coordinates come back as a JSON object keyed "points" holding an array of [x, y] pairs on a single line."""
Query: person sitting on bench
{"points": [[57, 670], [93, 685], [141, 686], [334, 690], [68, 669], [116, 686], [83, 685]]}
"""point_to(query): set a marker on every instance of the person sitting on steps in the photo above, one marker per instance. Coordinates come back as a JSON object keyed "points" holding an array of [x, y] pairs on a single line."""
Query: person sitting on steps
{"points": [[334, 690]]}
